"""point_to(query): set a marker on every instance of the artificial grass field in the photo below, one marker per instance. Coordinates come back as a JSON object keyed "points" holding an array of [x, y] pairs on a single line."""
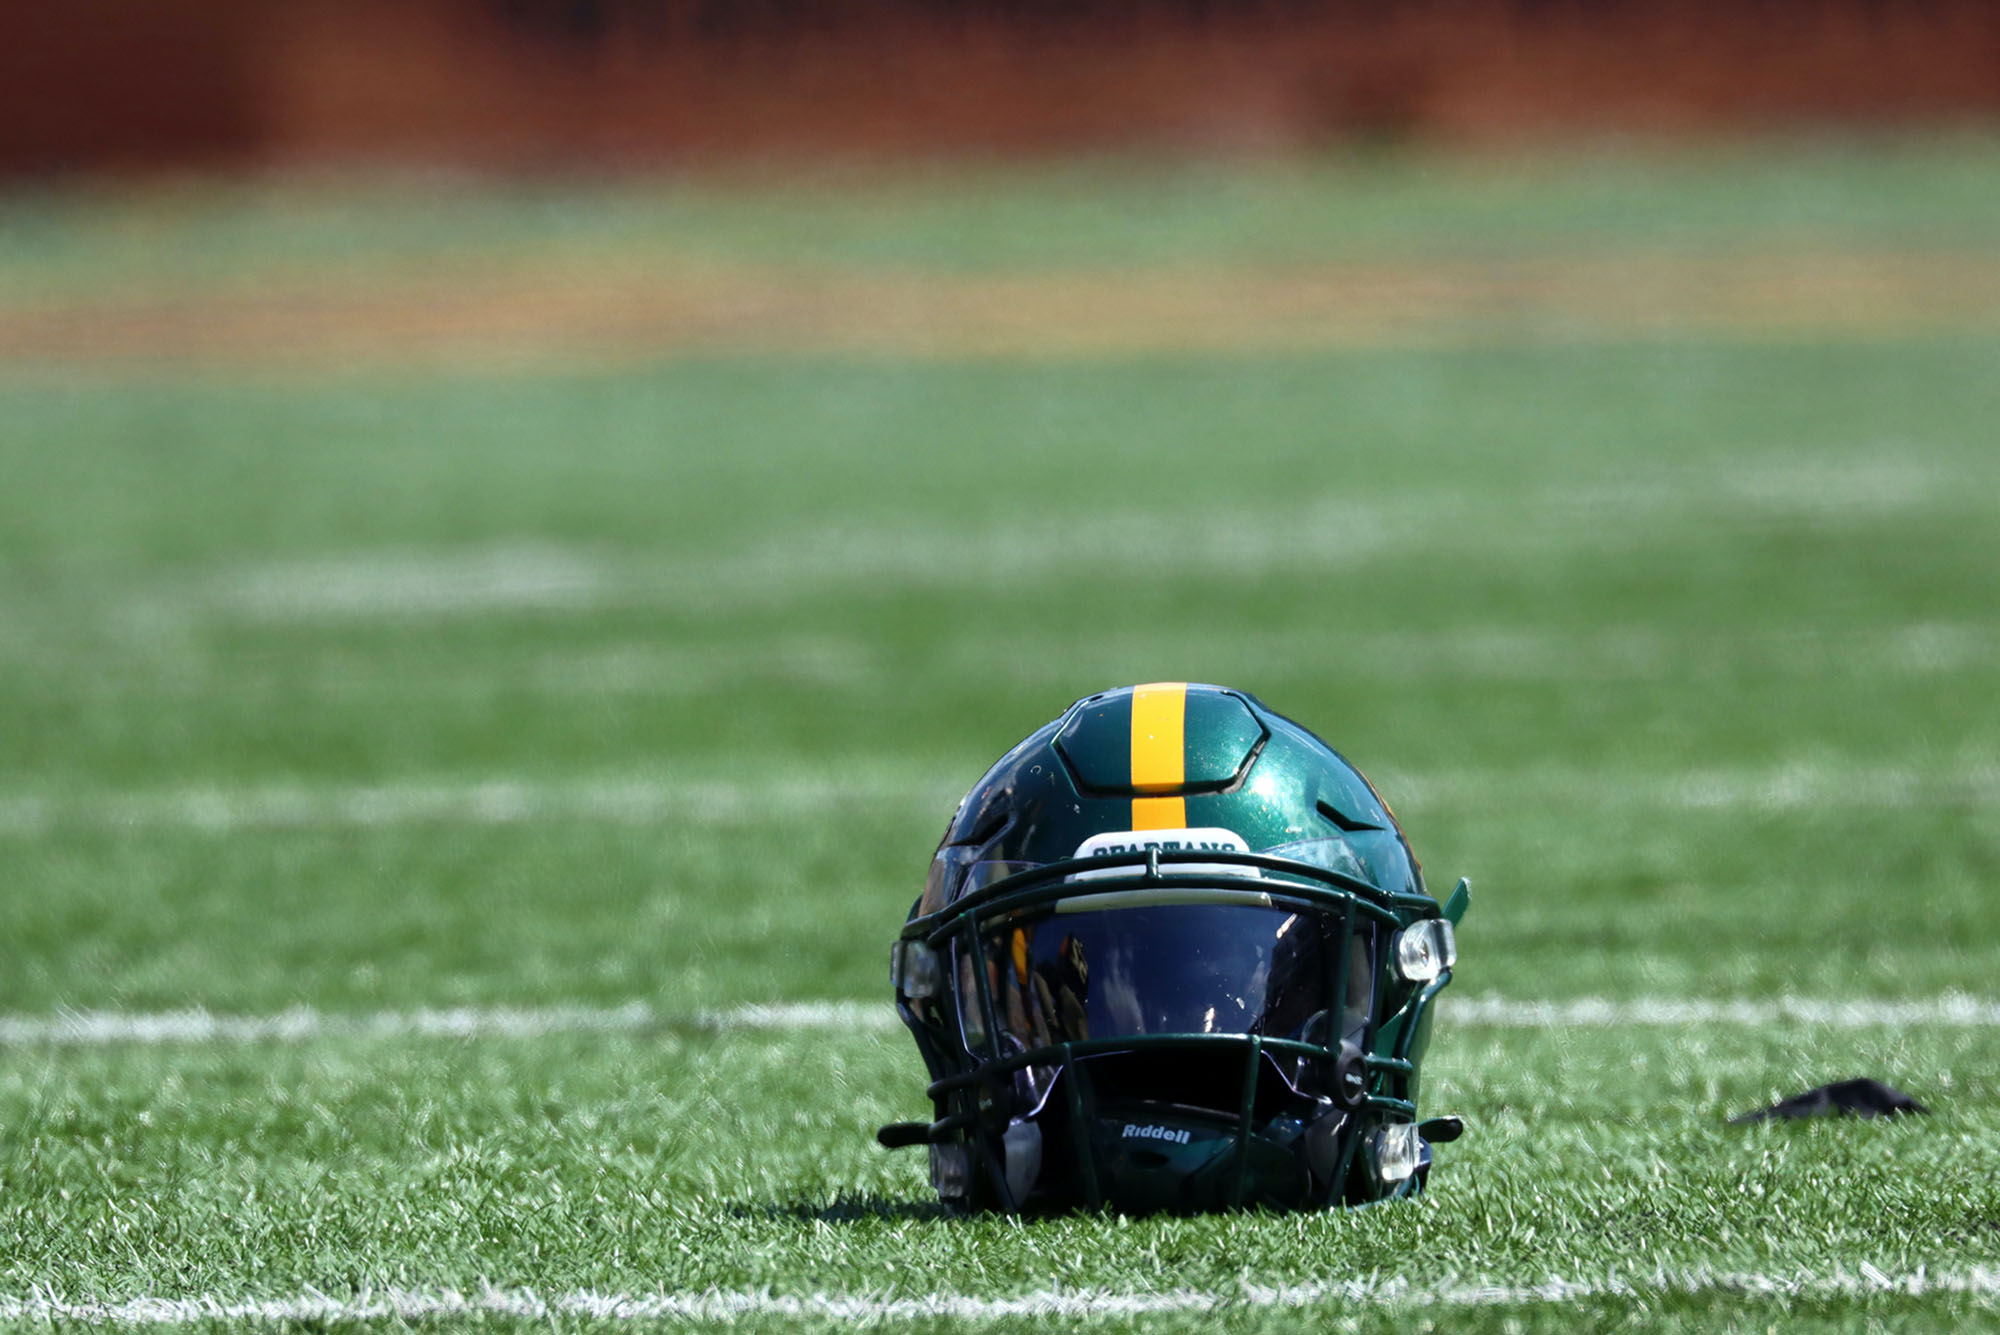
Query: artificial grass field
{"points": [[616, 700]]}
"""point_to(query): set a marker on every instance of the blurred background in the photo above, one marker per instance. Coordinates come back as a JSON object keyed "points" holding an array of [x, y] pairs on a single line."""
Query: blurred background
{"points": [[620, 177], [474, 467], [564, 84]]}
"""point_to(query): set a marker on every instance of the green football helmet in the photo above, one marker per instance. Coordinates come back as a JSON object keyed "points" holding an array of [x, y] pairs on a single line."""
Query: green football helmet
{"points": [[1174, 953]]}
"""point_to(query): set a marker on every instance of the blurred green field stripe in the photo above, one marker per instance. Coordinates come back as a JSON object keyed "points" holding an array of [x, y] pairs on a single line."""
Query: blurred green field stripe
{"points": [[1213, 541], [304, 1024], [474, 802], [1802, 784]]}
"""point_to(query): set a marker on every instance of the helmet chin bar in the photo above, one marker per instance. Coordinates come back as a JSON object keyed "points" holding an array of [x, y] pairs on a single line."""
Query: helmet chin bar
{"points": [[988, 1151]]}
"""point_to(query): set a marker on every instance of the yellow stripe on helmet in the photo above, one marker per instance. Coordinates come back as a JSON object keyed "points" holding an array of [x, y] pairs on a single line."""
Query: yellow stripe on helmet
{"points": [[1159, 754]]}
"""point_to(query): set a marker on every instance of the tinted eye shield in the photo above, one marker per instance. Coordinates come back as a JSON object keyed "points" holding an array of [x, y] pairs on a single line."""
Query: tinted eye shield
{"points": [[1166, 877]]}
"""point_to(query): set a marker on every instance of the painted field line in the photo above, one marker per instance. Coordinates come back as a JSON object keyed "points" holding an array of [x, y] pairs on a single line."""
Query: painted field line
{"points": [[1799, 785], [1865, 1281], [1324, 531], [1950, 1010], [1492, 652], [1804, 784], [473, 802], [533, 577], [303, 1024]]}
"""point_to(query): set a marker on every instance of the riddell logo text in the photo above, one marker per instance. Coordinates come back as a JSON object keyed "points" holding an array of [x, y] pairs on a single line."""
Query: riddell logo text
{"points": [[1133, 1131]]}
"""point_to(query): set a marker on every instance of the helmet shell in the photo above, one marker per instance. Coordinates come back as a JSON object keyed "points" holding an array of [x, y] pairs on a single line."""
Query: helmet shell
{"points": [[1244, 768], [1181, 794]]}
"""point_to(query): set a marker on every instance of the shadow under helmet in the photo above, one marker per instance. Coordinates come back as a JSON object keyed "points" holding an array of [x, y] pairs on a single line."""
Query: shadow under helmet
{"points": [[1174, 953]]}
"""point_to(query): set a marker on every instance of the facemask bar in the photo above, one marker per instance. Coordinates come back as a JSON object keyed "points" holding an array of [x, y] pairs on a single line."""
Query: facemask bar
{"points": [[972, 1078]]}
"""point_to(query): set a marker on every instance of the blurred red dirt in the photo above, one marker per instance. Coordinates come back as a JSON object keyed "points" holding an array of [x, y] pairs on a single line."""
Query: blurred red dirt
{"points": [[555, 83]]}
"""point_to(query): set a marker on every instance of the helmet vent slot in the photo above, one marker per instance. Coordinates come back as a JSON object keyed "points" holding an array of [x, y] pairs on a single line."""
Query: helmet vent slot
{"points": [[1341, 820], [990, 831]]}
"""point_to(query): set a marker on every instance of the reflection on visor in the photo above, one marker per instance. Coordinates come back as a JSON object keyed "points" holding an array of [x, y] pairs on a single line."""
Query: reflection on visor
{"points": [[1186, 968]]}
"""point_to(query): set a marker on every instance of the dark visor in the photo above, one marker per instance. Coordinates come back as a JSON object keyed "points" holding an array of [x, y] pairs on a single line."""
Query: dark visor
{"points": [[1189, 968]]}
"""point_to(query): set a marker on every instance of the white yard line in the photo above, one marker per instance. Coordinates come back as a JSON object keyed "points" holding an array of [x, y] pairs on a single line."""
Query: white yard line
{"points": [[722, 1305], [476, 802], [1795, 785], [304, 1024], [1497, 652], [500, 578], [1952, 1010], [642, 799], [534, 577], [165, 668], [1324, 532]]}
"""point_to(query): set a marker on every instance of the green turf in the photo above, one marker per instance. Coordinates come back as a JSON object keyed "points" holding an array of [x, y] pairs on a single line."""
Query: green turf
{"points": [[643, 1164], [387, 692]]}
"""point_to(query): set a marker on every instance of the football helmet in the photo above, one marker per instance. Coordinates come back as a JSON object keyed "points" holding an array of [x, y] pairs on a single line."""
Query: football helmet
{"points": [[1174, 953]]}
